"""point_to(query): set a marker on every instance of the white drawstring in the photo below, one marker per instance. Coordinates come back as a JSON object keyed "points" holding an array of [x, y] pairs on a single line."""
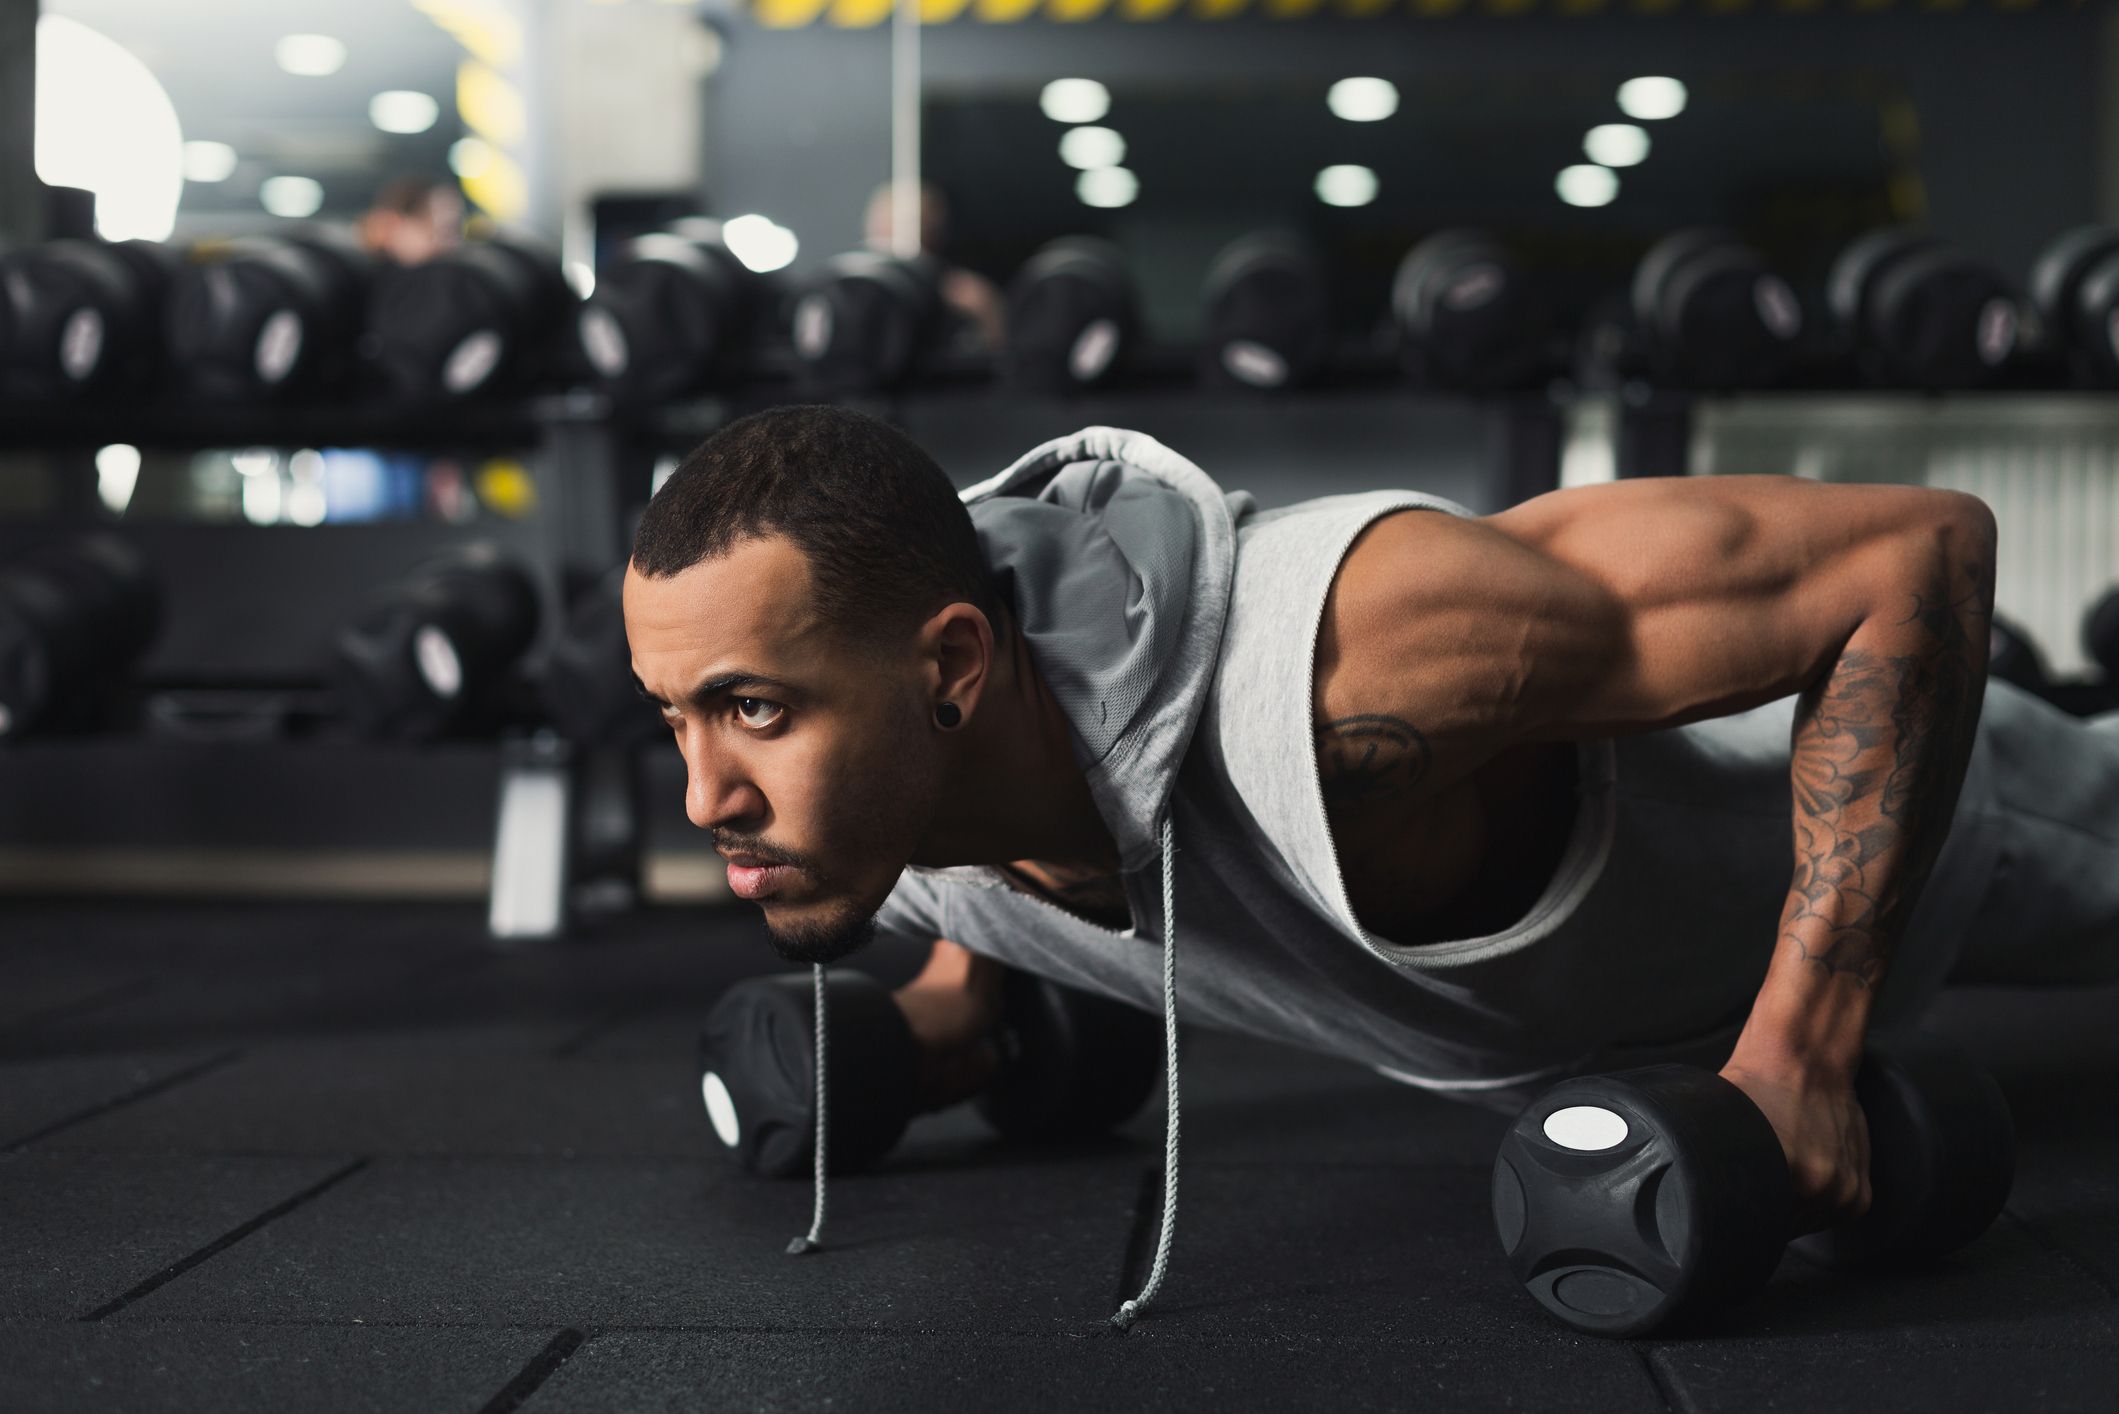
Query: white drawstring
{"points": [[815, 1237], [1130, 1309]]}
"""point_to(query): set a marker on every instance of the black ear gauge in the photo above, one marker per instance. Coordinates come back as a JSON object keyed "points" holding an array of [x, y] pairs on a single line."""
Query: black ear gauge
{"points": [[948, 715]]}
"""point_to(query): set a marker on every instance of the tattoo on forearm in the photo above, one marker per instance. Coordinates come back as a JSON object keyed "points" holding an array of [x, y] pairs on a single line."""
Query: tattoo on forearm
{"points": [[1880, 752], [1369, 757]]}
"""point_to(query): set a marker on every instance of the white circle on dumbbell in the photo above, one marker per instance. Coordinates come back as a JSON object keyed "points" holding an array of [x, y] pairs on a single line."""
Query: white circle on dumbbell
{"points": [[1252, 362], [472, 361], [279, 346], [1473, 286], [1584, 1127], [439, 666], [1997, 331], [1778, 308], [604, 338], [1093, 350], [81, 344], [812, 330], [720, 1108]]}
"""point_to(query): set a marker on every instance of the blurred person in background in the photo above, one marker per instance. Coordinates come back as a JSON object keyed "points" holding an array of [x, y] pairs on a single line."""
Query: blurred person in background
{"points": [[413, 219], [968, 294]]}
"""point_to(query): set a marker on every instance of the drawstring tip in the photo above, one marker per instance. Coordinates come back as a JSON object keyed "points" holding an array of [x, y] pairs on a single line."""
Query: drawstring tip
{"points": [[1122, 1320], [801, 1246]]}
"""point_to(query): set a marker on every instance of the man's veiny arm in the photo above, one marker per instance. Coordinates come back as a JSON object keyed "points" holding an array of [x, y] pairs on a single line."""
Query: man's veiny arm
{"points": [[1880, 749]]}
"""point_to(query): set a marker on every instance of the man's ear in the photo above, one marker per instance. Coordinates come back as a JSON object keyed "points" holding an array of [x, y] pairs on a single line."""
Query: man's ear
{"points": [[958, 646]]}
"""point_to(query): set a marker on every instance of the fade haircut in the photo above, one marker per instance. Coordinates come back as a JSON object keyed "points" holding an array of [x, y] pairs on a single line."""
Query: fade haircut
{"points": [[887, 538]]}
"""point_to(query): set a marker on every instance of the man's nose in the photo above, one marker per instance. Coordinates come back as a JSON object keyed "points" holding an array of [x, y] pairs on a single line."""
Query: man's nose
{"points": [[715, 794]]}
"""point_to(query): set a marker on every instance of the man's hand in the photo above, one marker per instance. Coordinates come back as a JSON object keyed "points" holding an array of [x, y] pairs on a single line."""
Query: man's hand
{"points": [[952, 1008], [1823, 1134]]}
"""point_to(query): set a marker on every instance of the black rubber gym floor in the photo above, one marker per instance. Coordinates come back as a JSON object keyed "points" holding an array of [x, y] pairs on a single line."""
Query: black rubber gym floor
{"points": [[349, 1157]]}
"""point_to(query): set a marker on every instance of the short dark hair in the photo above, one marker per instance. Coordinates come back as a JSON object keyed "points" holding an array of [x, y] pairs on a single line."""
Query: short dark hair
{"points": [[887, 537]]}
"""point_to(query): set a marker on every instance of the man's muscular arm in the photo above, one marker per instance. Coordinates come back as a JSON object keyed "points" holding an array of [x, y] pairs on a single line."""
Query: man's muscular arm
{"points": [[1870, 602], [1880, 749]]}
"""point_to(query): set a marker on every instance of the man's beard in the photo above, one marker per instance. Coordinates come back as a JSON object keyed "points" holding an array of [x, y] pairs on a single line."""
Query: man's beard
{"points": [[823, 942]]}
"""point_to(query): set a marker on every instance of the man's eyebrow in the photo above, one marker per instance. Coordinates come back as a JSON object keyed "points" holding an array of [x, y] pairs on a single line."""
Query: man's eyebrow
{"points": [[717, 686]]}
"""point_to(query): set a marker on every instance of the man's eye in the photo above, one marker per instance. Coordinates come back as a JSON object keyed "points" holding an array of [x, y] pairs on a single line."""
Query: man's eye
{"points": [[756, 711]]}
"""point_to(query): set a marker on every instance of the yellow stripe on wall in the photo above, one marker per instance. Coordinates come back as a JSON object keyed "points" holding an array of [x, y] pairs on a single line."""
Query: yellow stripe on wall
{"points": [[860, 14], [1075, 11], [787, 14]]}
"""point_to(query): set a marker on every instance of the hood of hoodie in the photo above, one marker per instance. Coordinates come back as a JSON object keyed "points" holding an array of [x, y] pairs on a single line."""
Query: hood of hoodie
{"points": [[1116, 555]]}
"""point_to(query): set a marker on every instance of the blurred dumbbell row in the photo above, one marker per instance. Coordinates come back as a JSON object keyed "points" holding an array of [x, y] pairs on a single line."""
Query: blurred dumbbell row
{"points": [[307, 314], [444, 652], [2013, 656]]}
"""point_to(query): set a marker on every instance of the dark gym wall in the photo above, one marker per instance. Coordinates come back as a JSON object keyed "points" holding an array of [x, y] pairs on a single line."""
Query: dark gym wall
{"points": [[2009, 102], [21, 204]]}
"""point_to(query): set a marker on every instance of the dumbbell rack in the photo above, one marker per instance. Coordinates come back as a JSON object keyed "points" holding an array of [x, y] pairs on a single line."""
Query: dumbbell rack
{"points": [[201, 743]]}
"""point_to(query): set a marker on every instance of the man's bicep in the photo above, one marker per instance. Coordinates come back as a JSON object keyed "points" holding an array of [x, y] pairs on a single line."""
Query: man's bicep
{"points": [[1689, 598]]}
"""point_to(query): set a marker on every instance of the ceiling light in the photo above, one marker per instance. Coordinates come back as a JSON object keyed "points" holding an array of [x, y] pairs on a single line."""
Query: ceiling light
{"points": [[1587, 185], [1090, 148], [312, 56], [208, 161], [1346, 185], [1616, 144], [470, 157], [1074, 100], [403, 110], [1651, 98], [292, 197], [1362, 100], [1107, 186]]}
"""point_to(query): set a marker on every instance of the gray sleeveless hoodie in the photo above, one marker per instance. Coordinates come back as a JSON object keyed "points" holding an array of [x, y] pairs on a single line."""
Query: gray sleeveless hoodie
{"points": [[1176, 627]]}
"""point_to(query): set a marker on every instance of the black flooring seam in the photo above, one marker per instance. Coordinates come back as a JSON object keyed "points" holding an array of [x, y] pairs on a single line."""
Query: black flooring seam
{"points": [[1668, 1387], [63, 1010], [139, 1092], [543, 1365], [2038, 1235], [225, 1241], [1146, 1225]]}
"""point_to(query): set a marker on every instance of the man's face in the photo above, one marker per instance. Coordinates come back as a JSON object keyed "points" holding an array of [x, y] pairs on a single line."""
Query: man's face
{"points": [[805, 755]]}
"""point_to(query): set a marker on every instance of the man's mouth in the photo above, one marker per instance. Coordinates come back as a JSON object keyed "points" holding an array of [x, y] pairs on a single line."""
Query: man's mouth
{"points": [[750, 877]]}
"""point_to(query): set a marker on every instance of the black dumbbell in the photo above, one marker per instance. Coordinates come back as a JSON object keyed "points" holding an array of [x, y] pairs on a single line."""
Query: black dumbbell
{"points": [[430, 655], [2100, 633], [2074, 296], [261, 318], [1712, 313], [671, 315], [2014, 658], [82, 317], [1914, 311], [1467, 315], [1073, 315], [1072, 1065], [1655, 1198], [860, 325], [1267, 313], [588, 676], [74, 618], [482, 317]]}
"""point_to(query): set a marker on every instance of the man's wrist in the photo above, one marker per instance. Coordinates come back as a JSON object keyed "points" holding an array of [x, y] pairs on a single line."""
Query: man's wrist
{"points": [[1813, 1031]]}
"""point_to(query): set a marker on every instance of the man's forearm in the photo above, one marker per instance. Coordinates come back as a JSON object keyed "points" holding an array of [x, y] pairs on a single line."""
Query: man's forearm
{"points": [[1880, 749]]}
